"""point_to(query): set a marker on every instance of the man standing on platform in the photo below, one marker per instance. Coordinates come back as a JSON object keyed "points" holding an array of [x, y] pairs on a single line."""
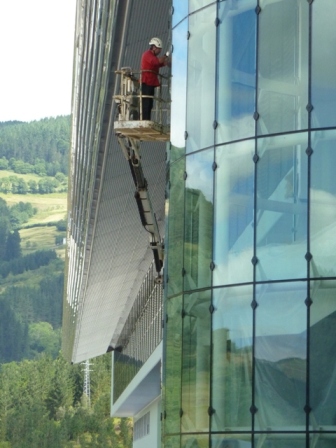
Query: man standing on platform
{"points": [[150, 66]]}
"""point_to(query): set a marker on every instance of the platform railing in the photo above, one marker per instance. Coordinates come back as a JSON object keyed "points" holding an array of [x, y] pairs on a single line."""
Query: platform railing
{"points": [[130, 97]]}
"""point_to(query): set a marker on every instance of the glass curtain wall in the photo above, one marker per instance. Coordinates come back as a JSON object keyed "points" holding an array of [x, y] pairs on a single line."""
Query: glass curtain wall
{"points": [[250, 293]]}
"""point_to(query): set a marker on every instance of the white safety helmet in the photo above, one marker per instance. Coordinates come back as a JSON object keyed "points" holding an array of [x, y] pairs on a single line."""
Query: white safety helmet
{"points": [[156, 41]]}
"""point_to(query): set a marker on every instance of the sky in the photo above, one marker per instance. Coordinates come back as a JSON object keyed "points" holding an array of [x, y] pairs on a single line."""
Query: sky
{"points": [[36, 58]]}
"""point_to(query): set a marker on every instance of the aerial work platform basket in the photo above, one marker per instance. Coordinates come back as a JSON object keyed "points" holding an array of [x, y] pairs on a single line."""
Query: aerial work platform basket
{"points": [[129, 121]]}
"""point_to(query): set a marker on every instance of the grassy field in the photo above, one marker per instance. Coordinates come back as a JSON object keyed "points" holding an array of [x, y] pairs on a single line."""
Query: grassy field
{"points": [[25, 177], [50, 208]]}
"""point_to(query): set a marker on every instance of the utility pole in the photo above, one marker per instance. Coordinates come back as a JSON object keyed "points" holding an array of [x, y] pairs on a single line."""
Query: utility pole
{"points": [[86, 384]]}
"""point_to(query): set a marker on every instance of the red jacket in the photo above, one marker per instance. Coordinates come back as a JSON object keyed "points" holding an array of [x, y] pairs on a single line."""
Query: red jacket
{"points": [[150, 62]]}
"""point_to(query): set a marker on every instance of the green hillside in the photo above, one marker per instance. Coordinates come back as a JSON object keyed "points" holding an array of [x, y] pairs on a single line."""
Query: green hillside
{"points": [[42, 403]]}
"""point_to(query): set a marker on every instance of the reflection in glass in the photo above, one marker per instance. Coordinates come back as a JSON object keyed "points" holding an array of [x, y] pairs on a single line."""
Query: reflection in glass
{"points": [[173, 365], [323, 204], [282, 191], [179, 85], [236, 70], [172, 442], [198, 220], [322, 354], [232, 358], [180, 11], [194, 5], [323, 65], [283, 62], [201, 79], [280, 356], [196, 362], [281, 440], [174, 241], [233, 230], [195, 441], [231, 441]]}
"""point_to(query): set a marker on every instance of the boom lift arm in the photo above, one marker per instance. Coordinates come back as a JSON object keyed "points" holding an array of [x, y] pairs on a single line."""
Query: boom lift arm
{"points": [[130, 147], [130, 131]]}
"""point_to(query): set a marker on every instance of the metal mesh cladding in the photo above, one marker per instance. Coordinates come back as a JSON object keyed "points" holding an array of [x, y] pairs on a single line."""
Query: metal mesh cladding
{"points": [[141, 334]]}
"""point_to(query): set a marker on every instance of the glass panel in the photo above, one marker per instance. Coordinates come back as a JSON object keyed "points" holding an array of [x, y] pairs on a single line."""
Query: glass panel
{"points": [[194, 5], [180, 10], [236, 70], [232, 359], [282, 440], [172, 442], [196, 363], [174, 241], [173, 365], [230, 441], [198, 220], [283, 62], [280, 356], [233, 226], [321, 440], [323, 64], [201, 79], [179, 89], [282, 207], [323, 204], [195, 441], [322, 355]]}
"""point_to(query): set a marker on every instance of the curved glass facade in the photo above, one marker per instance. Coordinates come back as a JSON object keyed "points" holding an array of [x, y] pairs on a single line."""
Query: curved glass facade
{"points": [[250, 277]]}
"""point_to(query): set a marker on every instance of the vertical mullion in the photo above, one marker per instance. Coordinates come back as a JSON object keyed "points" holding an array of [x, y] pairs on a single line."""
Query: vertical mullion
{"points": [[254, 260]]}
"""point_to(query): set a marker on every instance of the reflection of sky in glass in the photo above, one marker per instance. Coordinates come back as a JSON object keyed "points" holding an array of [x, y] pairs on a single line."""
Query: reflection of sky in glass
{"points": [[179, 85], [180, 10], [200, 173], [236, 70]]}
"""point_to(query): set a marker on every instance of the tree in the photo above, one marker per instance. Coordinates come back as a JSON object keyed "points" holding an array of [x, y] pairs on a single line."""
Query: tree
{"points": [[13, 246]]}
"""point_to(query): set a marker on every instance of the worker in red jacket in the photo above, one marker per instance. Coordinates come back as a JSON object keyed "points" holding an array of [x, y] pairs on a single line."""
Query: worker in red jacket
{"points": [[150, 65]]}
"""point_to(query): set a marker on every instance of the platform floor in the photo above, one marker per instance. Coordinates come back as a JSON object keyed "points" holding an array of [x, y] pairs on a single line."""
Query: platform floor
{"points": [[144, 130]]}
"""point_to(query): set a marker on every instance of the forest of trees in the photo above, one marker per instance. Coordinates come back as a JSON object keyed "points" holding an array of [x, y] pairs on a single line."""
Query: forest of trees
{"points": [[42, 406], [42, 403], [40, 147]]}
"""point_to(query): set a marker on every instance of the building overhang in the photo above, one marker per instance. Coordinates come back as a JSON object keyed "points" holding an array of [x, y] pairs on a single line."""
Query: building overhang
{"points": [[142, 390]]}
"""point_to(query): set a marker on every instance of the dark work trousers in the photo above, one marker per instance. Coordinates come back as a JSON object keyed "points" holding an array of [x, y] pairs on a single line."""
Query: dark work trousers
{"points": [[147, 103]]}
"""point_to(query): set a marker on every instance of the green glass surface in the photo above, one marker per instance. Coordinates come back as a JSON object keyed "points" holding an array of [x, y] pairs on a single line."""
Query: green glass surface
{"points": [[282, 66], [280, 440], [198, 220], [233, 218], [231, 441], [281, 215], [174, 241], [201, 79], [172, 442], [195, 441], [232, 359], [280, 356], [196, 362], [173, 359]]}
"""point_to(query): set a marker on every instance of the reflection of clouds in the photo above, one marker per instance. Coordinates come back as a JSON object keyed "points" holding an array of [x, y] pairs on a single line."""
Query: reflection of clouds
{"points": [[200, 173], [282, 309], [324, 39], [179, 85]]}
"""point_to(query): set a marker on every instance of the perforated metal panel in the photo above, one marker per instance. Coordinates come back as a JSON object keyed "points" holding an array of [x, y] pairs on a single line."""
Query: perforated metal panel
{"points": [[108, 249]]}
